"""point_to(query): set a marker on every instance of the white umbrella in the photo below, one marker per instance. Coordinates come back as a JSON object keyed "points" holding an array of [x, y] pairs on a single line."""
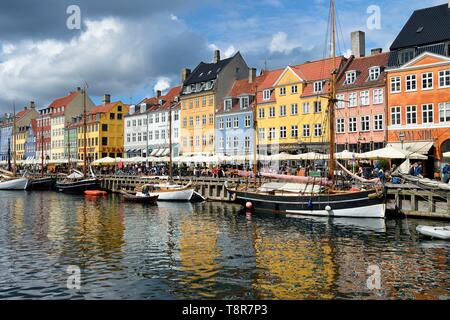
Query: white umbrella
{"points": [[389, 152], [106, 160], [282, 156], [347, 155], [446, 154], [310, 156]]}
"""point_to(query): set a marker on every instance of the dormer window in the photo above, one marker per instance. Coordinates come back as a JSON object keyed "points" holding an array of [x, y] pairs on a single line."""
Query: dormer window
{"points": [[228, 103], [374, 73], [350, 77], [198, 87], [244, 102], [318, 86], [266, 94]]}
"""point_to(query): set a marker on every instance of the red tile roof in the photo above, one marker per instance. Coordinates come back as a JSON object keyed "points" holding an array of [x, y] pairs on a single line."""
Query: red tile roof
{"points": [[60, 102], [362, 66], [168, 98], [34, 125], [105, 107], [268, 83]]}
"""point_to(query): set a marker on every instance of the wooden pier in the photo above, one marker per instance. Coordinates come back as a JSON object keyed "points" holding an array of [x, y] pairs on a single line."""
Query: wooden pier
{"points": [[404, 199]]}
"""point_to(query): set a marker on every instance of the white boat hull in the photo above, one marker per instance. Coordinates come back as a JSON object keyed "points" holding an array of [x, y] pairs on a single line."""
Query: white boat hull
{"points": [[175, 195], [16, 184], [435, 232], [374, 211]]}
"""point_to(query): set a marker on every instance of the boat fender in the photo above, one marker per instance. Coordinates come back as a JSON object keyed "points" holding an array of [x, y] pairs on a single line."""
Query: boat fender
{"points": [[249, 205], [328, 208], [310, 204]]}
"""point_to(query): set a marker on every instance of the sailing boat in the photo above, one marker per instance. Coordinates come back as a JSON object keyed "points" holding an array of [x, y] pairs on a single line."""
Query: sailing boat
{"points": [[172, 191], [77, 182], [317, 197], [8, 180]]}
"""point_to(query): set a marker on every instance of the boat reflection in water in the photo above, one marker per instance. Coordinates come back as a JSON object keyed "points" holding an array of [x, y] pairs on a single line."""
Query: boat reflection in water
{"points": [[375, 225]]}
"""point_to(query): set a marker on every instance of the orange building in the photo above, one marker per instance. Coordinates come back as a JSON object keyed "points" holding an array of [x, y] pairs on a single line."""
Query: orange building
{"points": [[419, 105]]}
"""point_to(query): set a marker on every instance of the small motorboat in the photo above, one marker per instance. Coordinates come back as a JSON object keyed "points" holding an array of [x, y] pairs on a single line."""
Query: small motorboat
{"points": [[434, 232], [95, 193], [139, 197], [14, 184]]}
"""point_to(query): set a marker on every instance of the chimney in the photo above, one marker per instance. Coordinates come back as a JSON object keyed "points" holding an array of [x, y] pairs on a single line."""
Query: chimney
{"points": [[358, 44], [377, 50], [32, 105], [251, 75], [158, 93], [185, 72], [78, 89], [106, 98], [216, 56]]}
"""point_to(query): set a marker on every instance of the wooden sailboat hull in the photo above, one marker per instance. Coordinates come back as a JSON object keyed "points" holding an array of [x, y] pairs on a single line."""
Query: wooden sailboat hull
{"points": [[14, 184], [78, 187], [363, 204], [42, 184]]}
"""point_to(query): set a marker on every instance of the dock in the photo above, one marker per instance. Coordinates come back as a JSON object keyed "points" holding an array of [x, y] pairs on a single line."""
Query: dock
{"points": [[404, 199]]}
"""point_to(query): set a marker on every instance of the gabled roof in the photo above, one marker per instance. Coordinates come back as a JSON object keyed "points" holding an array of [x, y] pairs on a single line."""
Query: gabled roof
{"points": [[169, 98], [288, 68], [104, 108], [64, 101], [361, 66], [317, 70], [425, 26], [207, 71], [153, 102], [267, 83]]}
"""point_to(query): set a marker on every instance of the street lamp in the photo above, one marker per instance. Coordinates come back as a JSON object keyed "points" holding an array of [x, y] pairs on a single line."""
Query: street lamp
{"points": [[402, 138]]}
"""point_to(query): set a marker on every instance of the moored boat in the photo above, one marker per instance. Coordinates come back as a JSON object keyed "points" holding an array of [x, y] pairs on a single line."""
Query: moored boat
{"points": [[174, 192], [41, 184], [139, 197], [14, 184], [434, 232]]}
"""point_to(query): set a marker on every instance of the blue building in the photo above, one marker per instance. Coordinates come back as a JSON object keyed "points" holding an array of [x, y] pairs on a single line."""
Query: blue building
{"points": [[234, 119], [6, 130], [30, 142]]}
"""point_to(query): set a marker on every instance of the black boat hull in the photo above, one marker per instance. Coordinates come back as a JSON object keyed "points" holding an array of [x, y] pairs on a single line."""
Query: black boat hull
{"points": [[78, 187], [362, 204], [42, 184]]}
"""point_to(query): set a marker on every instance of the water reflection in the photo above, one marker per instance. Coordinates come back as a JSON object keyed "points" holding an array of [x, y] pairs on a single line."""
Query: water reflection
{"points": [[209, 250]]}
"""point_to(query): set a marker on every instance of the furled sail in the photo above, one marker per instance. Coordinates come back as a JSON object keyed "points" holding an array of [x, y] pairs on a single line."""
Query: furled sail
{"points": [[354, 176]]}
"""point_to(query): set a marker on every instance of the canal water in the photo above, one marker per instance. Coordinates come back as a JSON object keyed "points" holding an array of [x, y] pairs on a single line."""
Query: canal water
{"points": [[207, 251]]}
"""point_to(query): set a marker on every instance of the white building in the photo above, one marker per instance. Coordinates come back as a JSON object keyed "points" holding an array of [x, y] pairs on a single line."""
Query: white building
{"points": [[147, 126]]}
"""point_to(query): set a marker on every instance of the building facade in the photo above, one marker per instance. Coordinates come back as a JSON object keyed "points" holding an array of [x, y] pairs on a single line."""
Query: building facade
{"points": [[361, 108], [30, 141], [147, 126], [202, 94]]}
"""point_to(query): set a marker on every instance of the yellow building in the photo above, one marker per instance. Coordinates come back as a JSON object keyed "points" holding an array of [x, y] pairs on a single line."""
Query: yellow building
{"points": [[202, 93], [105, 131], [292, 108], [21, 138]]}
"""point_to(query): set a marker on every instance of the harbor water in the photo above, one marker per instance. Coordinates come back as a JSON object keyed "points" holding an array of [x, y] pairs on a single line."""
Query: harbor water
{"points": [[207, 251]]}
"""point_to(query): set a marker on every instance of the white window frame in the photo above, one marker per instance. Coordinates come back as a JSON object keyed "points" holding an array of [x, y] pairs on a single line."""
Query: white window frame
{"points": [[364, 97], [318, 130], [378, 96], [444, 76], [410, 83], [282, 91], [340, 104], [228, 104], [427, 80], [266, 94], [395, 84], [306, 131], [396, 114], [283, 111], [340, 125], [350, 77], [374, 73], [305, 108], [378, 122], [426, 112], [294, 89], [352, 99], [318, 87], [244, 102], [283, 132], [444, 108], [294, 109], [352, 124], [247, 122], [411, 113], [365, 121]]}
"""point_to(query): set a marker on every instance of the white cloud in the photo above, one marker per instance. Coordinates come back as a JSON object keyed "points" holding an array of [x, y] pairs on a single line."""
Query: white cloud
{"points": [[162, 84], [111, 54], [173, 17], [280, 43], [227, 53]]}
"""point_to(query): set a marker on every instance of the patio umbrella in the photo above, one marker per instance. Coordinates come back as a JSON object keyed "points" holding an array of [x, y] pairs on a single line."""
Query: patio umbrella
{"points": [[389, 152], [446, 154]]}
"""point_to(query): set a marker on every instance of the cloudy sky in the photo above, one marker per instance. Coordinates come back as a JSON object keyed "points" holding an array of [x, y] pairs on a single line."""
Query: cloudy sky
{"points": [[130, 48]]}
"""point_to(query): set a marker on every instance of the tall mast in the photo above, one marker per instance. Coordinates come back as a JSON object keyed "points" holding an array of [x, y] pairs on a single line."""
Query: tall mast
{"points": [[255, 137], [332, 98], [68, 148], [42, 143], [84, 130], [14, 138], [170, 143]]}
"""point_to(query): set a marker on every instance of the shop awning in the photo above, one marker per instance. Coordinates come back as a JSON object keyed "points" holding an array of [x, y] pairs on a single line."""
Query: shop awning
{"points": [[166, 152], [422, 147], [159, 153], [154, 152]]}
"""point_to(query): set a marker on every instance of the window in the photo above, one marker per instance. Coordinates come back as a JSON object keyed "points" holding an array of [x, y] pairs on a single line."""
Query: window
{"points": [[261, 113], [163, 117], [197, 141], [266, 95], [247, 144], [221, 143], [128, 137], [150, 135], [396, 116], [406, 56], [427, 113], [271, 112], [197, 121], [150, 119], [352, 124], [204, 119], [294, 131], [378, 97], [191, 104], [191, 121], [211, 118], [282, 111], [203, 101], [411, 82], [294, 109], [156, 135], [317, 130], [228, 104], [244, 102], [444, 79], [340, 101], [378, 122], [261, 133], [318, 86], [396, 84], [350, 77], [317, 106], [112, 116], [104, 141], [427, 80], [104, 127], [352, 99], [184, 122], [247, 122], [271, 133], [236, 142], [283, 132], [282, 91], [211, 100], [305, 108], [340, 125], [411, 114], [365, 98], [374, 73], [365, 123], [294, 89], [211, 139], [157, 118], [204, 140], [197, 100], [236, 122], [228, 123], [444, 112]]}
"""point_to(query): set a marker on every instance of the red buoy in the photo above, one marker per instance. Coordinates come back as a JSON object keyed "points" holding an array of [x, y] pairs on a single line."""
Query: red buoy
{"points": [[95, 193]]}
